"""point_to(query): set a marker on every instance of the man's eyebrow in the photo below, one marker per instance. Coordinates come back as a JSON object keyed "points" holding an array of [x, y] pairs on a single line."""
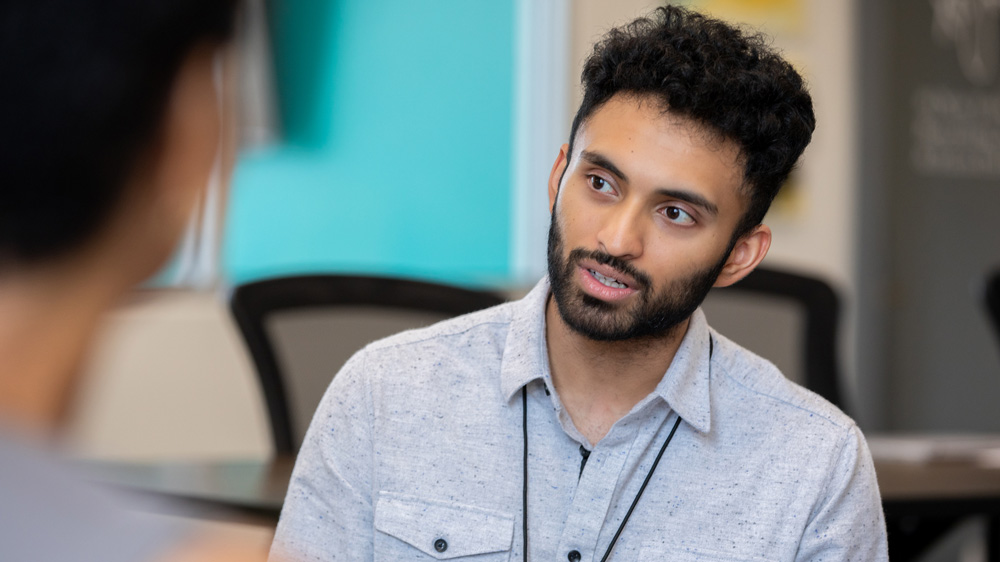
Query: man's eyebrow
{"points": [[602, 161], [692, 198]]}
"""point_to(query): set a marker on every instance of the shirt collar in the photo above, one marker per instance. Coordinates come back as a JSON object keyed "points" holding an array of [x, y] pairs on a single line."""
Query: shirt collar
{"points": [[526, 356], [684, 387]]}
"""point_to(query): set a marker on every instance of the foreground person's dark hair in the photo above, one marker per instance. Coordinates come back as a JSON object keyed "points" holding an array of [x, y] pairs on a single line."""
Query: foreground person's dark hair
{"points": [[83, 87], [726, 80]]}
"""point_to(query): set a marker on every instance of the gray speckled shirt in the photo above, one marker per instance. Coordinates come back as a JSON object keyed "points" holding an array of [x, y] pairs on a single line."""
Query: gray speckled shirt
{"points": [[417, 446]]}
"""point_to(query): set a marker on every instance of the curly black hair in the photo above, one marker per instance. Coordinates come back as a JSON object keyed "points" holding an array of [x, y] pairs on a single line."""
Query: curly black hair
{"points": [[723, 78]]}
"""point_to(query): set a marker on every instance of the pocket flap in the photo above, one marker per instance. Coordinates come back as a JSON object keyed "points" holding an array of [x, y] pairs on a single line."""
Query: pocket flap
{"points": [[466, 530]]}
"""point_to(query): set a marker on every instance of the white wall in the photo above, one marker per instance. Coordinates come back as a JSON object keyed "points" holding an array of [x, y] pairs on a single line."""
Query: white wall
{"points": [[819, 236], [170, 380]]}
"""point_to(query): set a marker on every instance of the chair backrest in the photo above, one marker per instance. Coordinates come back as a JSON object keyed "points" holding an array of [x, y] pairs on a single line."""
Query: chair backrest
{"points": [[993, 299], [301, 330], [787, 318]]}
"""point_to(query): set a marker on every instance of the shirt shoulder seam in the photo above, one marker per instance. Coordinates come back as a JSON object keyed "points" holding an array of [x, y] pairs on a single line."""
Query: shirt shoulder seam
{"points": [[393, 341], [825, 416]]}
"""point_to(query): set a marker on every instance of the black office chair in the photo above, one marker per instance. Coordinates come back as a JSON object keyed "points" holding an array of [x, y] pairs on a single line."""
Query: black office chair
{"points": [[789, 319], [301, 330], [993, 299]]}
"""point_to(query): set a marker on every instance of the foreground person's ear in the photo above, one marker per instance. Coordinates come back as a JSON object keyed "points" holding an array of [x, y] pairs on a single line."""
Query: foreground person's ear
{"points": [[173, 170]]}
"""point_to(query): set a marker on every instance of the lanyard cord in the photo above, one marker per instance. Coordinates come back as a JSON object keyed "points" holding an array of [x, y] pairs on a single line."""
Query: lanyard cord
{"points": [[641, 489], [524, 486]]}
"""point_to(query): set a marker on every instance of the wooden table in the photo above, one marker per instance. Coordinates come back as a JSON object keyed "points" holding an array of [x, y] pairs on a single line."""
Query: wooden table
{"points": [[929, 483], [226, 490], [924, 493]]}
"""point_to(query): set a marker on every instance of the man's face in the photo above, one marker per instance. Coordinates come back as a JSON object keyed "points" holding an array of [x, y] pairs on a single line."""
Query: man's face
{"points": [[641, 221]]}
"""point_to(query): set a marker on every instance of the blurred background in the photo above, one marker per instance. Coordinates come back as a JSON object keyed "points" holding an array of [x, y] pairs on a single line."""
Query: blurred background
{"points": [[414, 138]]}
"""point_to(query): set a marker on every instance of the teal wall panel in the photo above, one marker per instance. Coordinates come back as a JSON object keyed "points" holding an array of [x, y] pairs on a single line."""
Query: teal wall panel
{"points": [[396, 156]]}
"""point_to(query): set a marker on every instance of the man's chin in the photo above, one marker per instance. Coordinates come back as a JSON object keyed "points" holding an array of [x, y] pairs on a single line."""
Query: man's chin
{"points": [[598, 320]]}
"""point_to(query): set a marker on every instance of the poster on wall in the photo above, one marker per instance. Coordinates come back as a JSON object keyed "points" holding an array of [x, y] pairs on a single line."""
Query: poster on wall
{"points": [[782, 19], [955, 122]]}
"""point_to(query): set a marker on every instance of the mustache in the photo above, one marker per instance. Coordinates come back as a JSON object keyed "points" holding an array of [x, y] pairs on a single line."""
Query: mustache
{"points": [[603, 258]]}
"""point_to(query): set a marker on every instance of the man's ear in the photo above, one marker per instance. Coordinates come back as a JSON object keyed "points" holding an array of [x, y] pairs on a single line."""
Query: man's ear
{"points": [[555, 176], [745, 256]]}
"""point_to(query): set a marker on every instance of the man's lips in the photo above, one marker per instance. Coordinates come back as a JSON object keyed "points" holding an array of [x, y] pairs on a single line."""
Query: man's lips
{"points": [[604, 282], [609, 272]]}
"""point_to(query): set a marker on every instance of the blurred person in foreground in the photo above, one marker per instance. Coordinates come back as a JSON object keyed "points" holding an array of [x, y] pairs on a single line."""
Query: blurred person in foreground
{"points": [[600, 417], [110, 122]]}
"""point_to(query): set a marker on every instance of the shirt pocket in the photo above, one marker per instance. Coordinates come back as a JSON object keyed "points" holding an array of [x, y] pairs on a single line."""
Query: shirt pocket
{"points": [[650, 552], [408, 526]]}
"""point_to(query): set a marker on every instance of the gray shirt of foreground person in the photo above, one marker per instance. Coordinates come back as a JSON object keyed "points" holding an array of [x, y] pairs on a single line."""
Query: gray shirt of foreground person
{"points": [[416, 454], [48, 514]]}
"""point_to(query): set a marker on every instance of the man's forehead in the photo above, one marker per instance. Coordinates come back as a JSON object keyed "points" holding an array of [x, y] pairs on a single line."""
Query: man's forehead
{"points": [[624, 119], [659, 114]]}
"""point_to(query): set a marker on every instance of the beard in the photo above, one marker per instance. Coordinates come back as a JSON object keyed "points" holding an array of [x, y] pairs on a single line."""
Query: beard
{"points": [[652, 314]]}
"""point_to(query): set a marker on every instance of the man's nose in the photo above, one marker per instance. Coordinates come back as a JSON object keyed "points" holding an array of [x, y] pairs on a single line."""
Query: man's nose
{"points": [[621, 233]]}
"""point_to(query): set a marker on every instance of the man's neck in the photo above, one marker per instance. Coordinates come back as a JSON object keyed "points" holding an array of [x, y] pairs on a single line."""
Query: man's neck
{"points": [[599, 382]]}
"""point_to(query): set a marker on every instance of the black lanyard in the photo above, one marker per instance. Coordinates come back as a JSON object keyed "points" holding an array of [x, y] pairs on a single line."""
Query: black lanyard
{"points": [[524, 488], [524, 494]]}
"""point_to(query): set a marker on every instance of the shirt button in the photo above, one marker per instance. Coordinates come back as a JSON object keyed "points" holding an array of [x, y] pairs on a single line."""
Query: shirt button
{"points": [[441, 545], [573, 556]]}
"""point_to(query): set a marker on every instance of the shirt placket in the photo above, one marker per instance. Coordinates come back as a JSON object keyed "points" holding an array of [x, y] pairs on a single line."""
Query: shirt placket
{"points": [[595, 492]]}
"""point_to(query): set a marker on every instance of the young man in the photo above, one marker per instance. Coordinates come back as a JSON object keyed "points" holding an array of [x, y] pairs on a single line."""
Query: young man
{"points": [[601, 417], [110, 122]]}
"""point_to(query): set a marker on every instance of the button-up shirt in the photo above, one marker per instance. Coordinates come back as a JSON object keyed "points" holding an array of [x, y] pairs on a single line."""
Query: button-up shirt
{"points": [[416, 453]]}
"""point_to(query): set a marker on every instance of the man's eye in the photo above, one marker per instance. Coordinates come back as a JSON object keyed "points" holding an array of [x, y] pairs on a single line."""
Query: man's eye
{"points": [[678, 215], [599, 184]]}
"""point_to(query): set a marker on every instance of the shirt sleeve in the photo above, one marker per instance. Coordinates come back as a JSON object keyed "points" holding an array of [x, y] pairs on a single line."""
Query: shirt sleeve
{"points": [[848, 523], [327, 514]]}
